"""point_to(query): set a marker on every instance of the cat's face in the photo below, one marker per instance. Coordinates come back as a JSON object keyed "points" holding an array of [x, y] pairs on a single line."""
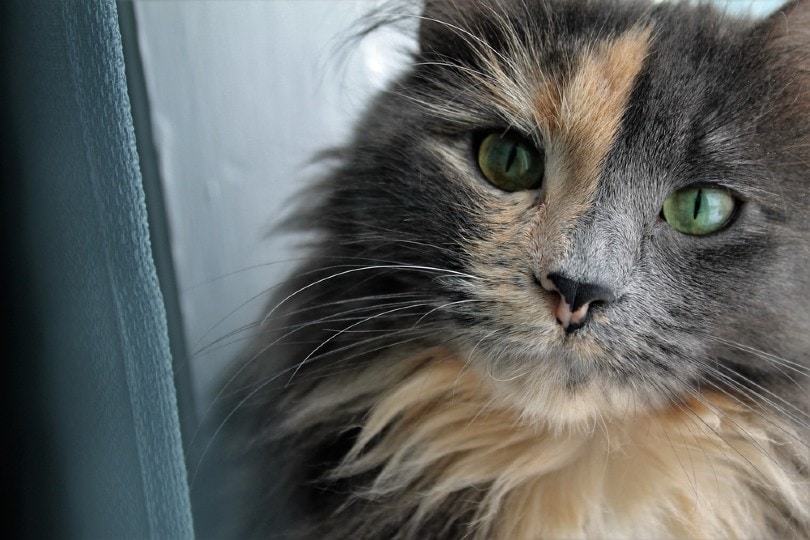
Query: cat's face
{"points": [[668, 154]]}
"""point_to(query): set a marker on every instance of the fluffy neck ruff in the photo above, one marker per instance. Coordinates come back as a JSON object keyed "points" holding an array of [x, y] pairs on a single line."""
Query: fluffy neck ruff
{"points": [[707, 468]]}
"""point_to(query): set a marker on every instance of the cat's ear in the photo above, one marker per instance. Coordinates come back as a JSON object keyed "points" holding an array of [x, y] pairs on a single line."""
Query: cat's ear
{"points": [[784, 40], [788, 29], [786, 44]]}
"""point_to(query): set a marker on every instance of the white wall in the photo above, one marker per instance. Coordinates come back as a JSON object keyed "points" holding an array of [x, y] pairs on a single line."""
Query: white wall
{"points": [[242, 94]]}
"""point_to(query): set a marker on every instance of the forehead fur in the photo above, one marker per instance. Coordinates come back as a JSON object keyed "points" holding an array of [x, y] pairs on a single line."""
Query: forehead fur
{"points": [[584, 125]]}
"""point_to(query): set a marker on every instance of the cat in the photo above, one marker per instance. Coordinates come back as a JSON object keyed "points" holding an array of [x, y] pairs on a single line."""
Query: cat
{"points": [[559, 288]]}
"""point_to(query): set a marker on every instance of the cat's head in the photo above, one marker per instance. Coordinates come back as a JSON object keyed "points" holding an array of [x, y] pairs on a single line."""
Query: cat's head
{"points": [[616, 196]]}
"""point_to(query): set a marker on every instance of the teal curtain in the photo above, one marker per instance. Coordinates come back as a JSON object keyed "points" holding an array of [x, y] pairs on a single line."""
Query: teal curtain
{"points": [[96, 450]]}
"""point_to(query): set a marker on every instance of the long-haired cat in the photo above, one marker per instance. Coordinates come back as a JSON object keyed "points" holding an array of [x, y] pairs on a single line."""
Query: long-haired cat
{"points": [[560, 288]]}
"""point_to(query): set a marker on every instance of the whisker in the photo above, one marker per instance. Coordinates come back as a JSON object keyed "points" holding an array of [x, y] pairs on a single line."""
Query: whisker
{"points": [[292, 330], [713, 408], [417, 268], [335, 335], [740, 430], [316, 307], [793, 366], [259, 387], [372, 317], [760, 397], [383, 263]]}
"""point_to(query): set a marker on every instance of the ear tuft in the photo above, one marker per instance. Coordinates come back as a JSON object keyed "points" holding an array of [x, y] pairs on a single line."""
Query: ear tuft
{"points": [[789, 27], [786, 36], [786, 45]]}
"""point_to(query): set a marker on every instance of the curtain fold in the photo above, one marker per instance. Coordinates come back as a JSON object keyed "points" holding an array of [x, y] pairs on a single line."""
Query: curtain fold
{"points": [[98, 381]]}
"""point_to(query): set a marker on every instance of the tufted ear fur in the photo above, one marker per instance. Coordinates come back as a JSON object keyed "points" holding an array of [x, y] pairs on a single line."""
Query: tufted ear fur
{"points": [[794, 19], [788, 33], [785, 42]]}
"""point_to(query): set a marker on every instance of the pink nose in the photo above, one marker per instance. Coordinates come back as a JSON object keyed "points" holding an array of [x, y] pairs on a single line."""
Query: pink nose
{"points": [[566, 317], [574, 300]]}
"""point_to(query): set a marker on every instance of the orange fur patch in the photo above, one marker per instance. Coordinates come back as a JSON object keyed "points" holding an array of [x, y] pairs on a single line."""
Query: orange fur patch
{"points": [[586, 121], [594, 102]]}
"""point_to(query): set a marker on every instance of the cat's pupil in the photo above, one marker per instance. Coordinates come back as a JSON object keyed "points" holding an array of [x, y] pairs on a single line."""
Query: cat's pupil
{"points": [[510, 159], [699, 210]]}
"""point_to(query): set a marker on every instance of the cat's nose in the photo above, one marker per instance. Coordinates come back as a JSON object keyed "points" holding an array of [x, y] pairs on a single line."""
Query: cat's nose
{"points": [[575, 299]]}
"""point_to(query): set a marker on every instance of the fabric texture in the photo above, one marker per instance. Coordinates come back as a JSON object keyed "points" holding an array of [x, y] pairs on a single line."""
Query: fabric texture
{"points": [[106, 384]]}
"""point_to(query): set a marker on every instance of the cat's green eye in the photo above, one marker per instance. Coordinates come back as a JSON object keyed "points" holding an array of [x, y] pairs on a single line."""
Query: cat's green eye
{"points": [[510, 162], [699, 210]]}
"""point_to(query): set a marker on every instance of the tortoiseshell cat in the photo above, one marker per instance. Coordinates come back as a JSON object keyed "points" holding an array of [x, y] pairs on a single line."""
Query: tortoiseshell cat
{"points": [[560, 288]]}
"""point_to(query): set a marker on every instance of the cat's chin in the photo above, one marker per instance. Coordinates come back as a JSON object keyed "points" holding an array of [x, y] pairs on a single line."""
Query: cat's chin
{"points": [[562, 388], [581, 408]]}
